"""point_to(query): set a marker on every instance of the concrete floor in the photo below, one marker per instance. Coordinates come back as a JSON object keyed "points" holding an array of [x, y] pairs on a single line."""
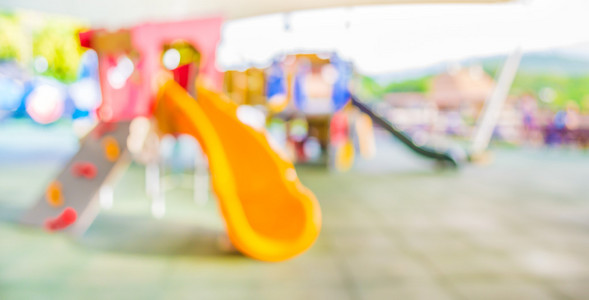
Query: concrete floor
{"points": [[515, 229]]}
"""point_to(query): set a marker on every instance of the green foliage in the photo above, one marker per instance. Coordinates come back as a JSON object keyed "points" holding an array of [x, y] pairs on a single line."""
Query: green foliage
{"points": [[567, 88], [371, 89], [54, 38], [57, 41], [368, 88], [491, 69], [565, 76], [12, 39], [420, 85]]}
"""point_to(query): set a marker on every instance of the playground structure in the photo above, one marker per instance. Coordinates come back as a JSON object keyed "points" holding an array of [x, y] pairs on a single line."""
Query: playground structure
{"points": [[269, 214], [308, 98]]}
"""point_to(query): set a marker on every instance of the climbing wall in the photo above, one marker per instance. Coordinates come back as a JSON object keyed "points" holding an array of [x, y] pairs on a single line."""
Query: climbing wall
{"points": [[70, 202]]}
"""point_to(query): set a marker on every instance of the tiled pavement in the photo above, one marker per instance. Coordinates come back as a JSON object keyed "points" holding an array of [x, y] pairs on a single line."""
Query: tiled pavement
{"points": [[515, 229]]}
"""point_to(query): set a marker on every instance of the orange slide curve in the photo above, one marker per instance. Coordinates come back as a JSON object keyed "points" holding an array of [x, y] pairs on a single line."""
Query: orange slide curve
{"points": [[268, 213]]}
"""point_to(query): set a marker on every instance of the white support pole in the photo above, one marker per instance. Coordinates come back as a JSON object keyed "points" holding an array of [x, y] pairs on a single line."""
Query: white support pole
{"points": [[106, 196], [152, 155], [156, 171], [201, 177], [158, 200], [494, 104], [152, 178]]}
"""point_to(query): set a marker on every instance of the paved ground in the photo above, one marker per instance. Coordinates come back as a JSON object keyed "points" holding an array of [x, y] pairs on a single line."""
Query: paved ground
{"points": [[515, 229]]}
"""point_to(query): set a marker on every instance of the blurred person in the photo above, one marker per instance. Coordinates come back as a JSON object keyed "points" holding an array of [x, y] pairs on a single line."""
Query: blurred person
{"points": [[554, 131], [573, 118], [529, 111]]}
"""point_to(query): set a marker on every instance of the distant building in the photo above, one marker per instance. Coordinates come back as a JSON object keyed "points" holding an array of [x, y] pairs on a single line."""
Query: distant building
{"points": [[452, 104], [465, 87], [406, 99], [408, 109]]}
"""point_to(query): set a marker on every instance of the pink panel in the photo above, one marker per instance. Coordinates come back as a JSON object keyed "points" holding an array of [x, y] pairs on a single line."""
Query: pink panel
{"points": [[136, 97], [115, 101], [149, 39]]}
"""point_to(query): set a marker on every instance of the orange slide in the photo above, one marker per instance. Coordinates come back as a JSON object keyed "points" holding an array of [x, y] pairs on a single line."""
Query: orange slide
{"points": [[268, 213]]}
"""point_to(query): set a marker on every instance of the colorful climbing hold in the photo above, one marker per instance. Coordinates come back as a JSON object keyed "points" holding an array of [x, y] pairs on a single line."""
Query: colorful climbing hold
{"points": [[67, 217], [84, 169], [53, 194], [111, 148]]}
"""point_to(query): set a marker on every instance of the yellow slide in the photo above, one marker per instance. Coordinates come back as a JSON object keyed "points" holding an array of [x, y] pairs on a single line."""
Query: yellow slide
{"points": [[269, 214]]}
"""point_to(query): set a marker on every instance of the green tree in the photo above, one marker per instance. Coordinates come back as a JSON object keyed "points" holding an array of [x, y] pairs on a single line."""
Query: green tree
{"points": [[12, 39], [57, 41]]}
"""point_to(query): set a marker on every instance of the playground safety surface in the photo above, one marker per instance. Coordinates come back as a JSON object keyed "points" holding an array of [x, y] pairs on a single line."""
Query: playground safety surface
{"points": [[515, 229]]}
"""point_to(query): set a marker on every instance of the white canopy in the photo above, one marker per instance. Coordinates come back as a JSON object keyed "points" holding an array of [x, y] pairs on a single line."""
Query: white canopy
{"points": [[377, 38], [117, 13]]}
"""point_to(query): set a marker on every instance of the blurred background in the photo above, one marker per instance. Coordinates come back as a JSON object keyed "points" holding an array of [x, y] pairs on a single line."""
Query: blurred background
{"points": [[500, 88]]}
